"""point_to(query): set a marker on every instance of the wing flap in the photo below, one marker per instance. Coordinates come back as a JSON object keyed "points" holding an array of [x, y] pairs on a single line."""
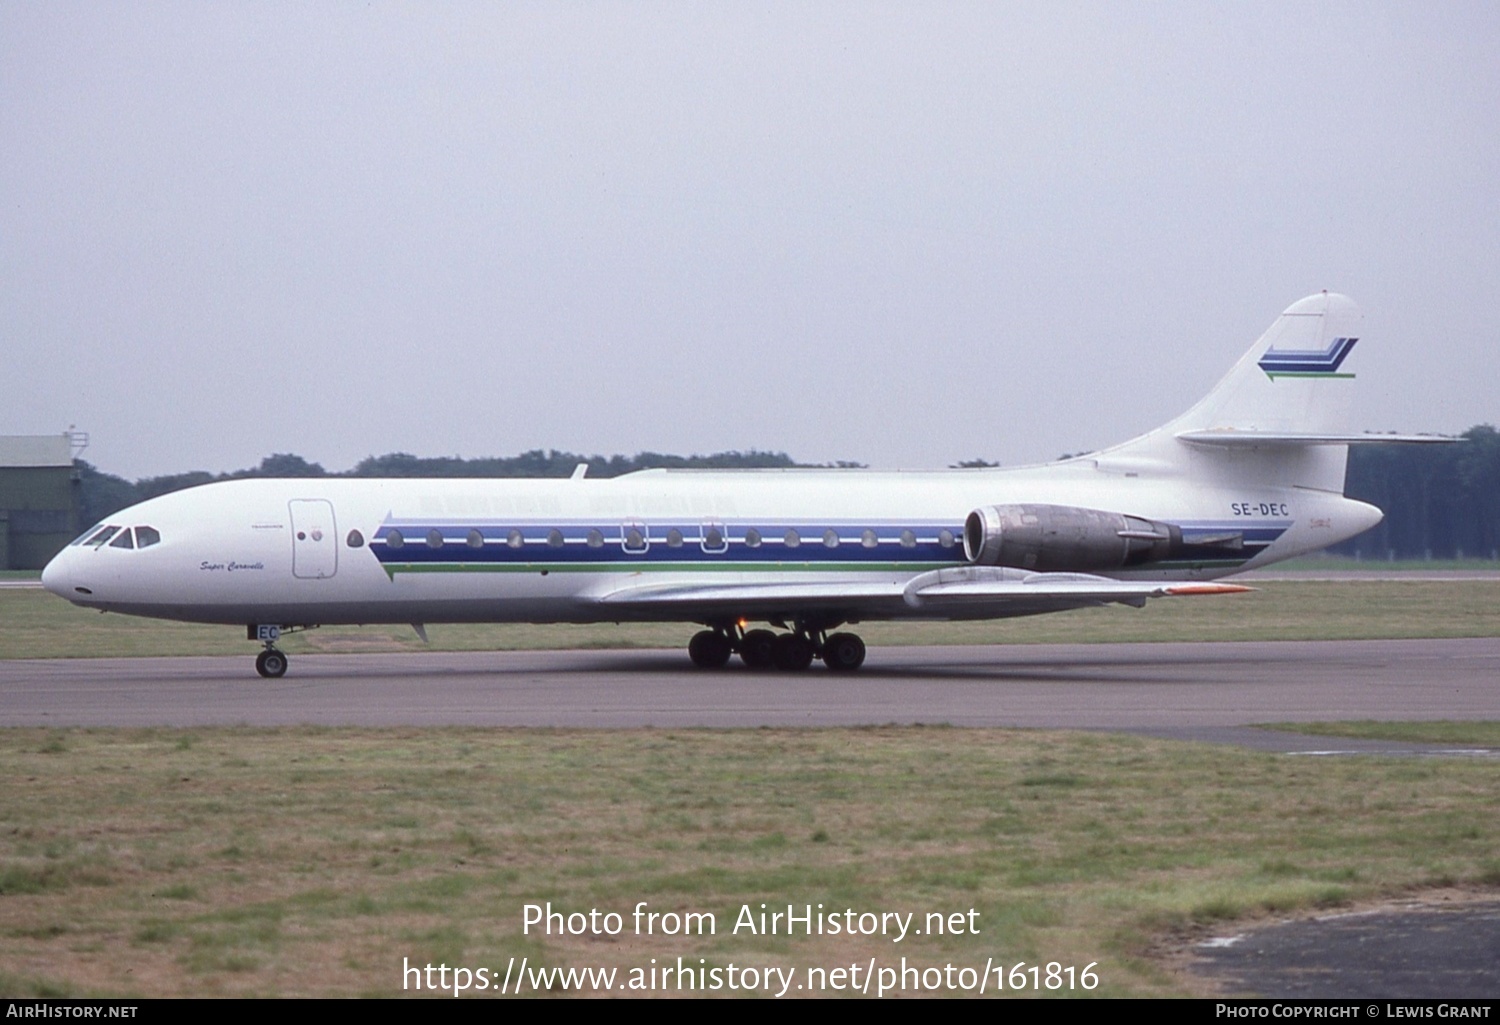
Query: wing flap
{"points": [[968, 590], [981, 584], [811, 594]]}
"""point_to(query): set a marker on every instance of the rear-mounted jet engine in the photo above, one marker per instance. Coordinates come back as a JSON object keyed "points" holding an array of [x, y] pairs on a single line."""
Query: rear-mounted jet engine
{"points": [[1065, 538]]}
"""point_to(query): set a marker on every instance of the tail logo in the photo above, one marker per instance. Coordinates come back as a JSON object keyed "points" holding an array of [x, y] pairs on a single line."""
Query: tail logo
{"points": [[1307, 362]]}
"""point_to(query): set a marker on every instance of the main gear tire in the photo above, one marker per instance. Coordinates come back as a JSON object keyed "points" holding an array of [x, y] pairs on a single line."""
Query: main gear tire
{"points": [[758, 649], [844, 653], [709, 649], [792, 652]]}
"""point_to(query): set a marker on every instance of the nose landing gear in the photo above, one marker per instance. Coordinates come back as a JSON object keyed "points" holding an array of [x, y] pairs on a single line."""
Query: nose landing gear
{"points": [[271, 663]]}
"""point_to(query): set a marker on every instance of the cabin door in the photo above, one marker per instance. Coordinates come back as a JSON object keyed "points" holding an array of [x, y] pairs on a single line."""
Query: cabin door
{"points": [[315, 548]]}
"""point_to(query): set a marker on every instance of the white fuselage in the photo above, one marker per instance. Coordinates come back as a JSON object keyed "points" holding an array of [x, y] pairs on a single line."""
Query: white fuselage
{"points": [[337, 550]]}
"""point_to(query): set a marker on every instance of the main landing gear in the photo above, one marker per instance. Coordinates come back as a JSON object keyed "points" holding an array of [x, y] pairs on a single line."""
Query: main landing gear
{"points": [[766, 649]]}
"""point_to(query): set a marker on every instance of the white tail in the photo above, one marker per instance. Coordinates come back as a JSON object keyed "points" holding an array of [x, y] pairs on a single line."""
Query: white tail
{"points": [[1281, 414], [1297, 379]]}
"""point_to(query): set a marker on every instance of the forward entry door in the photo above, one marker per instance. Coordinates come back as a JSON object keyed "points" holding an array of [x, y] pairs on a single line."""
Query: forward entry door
{"points": [[315, 549]]}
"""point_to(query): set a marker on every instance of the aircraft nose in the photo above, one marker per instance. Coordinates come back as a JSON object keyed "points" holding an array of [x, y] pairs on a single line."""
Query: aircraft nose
{"points": [[55, 575]]}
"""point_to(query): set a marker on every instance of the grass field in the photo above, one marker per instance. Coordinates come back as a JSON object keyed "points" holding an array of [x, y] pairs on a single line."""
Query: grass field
{"points": [[1459, 734], [1313, 563], [35, 624], [312, 862]]}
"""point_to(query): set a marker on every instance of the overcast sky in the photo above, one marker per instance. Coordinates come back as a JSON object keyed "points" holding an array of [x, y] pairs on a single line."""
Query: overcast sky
{"points": [[904, 234]]}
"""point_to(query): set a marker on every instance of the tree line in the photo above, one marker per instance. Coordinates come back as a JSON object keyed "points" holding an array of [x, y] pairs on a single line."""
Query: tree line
{"points": [[101, 494], [1440, 501]]}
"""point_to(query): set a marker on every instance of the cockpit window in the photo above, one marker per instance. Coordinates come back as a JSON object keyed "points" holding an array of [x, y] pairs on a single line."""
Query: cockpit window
{"points": [[81, 538], [122, 540], [145, 537], [98, 539]]}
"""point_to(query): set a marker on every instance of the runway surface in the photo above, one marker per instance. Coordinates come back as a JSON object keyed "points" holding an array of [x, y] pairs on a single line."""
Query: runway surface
{"points": [[1424, 950], [1191, 691]]}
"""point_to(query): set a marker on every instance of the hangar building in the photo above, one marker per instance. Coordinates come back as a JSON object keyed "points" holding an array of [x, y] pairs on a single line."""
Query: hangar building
{"points": [[38, 499]]}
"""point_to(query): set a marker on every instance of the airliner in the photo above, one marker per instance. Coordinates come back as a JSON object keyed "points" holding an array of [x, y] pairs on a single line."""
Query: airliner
{"points": [[1251, 475]]}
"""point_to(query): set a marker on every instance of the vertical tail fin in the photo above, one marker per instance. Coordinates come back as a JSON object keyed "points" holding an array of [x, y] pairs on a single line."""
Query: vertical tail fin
{"points": [[1275, 417], [1295, 380]]}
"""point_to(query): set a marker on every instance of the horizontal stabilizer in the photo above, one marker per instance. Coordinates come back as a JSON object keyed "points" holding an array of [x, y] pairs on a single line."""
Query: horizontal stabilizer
{"points": [[1232, 437]]}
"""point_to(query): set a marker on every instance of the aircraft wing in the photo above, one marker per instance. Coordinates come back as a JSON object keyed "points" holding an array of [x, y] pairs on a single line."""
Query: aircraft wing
{"points": [[961, 592]]}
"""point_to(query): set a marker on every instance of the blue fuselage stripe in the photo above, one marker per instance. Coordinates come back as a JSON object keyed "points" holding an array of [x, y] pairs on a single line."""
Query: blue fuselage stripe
{"points": [[605, 544]]}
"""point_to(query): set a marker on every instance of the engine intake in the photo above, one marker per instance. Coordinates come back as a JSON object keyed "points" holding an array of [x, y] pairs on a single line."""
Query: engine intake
{"points": [[1065, 538]]}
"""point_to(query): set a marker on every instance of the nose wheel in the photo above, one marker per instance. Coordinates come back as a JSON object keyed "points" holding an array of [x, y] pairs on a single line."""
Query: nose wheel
{"points": [[271, 663]]}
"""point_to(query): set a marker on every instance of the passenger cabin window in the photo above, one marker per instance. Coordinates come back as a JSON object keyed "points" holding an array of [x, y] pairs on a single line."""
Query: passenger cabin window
{"points": [[596, 539], [868, 538], [145, 537], [674, 538], [393, 538], [475, 539], [908, 539], [792, 539], [752, 538], [355, 539], [554, 538], [713, 540], [434, 538], [830, 538], [635, 538], [945, 538], [514, 539]]}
